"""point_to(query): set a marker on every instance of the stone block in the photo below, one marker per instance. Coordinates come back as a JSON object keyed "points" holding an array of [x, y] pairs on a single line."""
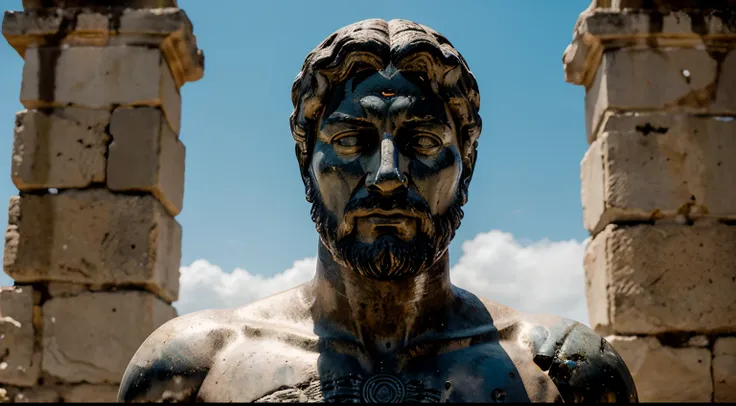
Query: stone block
{"points": [[60, 148], [168, 29], [654, 165], [650, 279], [100, 77], [724, 369], [678, 80], [666, 374], [36, 4], [19, 364], [725, 93], [36, 394], [94, 236], [668, 5], [607, 28], [146, 155], [87, 393], [91, 337]]}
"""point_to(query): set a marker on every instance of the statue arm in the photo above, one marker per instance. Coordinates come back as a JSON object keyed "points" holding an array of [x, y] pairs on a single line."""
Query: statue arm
{"points": [[584, 366], [173, 362]]}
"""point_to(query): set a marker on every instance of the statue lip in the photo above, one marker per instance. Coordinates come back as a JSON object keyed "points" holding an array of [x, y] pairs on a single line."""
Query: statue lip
{"points": [[387, 220], [392, 216], [381, 217]]}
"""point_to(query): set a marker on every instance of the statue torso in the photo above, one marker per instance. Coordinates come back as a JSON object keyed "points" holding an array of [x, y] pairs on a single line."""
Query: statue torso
{"points": [[279, 371], [268, 352], [273, 360]]}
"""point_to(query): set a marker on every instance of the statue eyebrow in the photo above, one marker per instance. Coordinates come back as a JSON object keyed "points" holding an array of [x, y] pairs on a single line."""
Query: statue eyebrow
{"points": [[414, 121], [342, 118]]}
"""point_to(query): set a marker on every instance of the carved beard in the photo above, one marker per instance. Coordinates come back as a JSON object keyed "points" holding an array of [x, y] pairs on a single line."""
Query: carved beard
{"points": [[388, 257]]}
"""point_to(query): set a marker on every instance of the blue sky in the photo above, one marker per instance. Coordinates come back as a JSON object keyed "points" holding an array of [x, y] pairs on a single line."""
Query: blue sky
{"points": [[244, 202]]}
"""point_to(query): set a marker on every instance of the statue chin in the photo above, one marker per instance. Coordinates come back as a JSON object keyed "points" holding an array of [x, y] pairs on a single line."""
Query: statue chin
{"points": [[387, 257]]}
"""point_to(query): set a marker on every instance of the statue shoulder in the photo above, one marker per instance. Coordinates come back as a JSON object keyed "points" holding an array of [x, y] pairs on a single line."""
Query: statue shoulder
{"points": [[582, 364], [174, 360]]}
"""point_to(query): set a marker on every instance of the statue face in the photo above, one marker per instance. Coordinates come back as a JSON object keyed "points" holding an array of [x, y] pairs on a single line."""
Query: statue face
{"points": [[386, 169]]}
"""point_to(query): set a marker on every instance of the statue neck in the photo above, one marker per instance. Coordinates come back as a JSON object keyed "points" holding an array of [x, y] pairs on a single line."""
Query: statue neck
{"points": [[380, 315]]}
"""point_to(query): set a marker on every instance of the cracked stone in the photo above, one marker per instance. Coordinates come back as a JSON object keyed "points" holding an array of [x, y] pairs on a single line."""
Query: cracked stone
{"points": [[19, 364], [61, 148], [649, 79], [724, 369], [94, 236], [687, 377], [101, 77], [641, 279], [94, 335], [656, 162], [141, 135]]}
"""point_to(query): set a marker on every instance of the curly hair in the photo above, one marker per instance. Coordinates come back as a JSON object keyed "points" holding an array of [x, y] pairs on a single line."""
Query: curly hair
{"points": [[375, 44]]}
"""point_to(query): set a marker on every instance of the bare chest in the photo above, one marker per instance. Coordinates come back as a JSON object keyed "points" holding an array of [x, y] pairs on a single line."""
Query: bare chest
{"points": [[274, 372]]}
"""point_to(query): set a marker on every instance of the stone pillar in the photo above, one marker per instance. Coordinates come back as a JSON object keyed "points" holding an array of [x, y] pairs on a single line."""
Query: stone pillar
{"points": [[92, 242], [659, 189]]}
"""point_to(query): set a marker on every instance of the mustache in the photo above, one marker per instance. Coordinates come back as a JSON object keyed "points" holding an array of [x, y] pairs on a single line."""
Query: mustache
{"points": [[408, 205]]}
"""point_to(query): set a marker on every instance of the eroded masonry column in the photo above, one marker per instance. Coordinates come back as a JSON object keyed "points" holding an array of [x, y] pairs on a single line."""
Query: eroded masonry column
{"points": [[659, 189], [92, 242]]}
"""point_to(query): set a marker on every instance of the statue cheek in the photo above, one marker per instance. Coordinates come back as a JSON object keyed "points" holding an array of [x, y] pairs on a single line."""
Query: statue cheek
{"points": [[438, 179], [335, 178]]}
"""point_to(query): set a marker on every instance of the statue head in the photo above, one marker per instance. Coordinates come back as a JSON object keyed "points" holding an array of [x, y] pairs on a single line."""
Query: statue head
{"points": [[386, 125]]}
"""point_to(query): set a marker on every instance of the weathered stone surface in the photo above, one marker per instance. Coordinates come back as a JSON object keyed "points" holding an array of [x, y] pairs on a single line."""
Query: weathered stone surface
{"points": [[724, 369], [655, 21], [168, 29], [61, 148], [19, 364], [599, 29], [58, 289], [36, 394], [92, 337], [141, 136], [655, 165], [665, 374], [667, 5], [95, 236], [85, 393], [681, 80], [35, 4], [725, 93], [100, 77], [648, 279]]}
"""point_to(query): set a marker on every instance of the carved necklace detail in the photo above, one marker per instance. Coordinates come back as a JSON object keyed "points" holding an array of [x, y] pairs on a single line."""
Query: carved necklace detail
{"points": [[380, 388], [383, 388]]}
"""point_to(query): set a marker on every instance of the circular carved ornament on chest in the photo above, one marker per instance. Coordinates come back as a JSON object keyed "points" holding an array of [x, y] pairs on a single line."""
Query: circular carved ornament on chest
{"points": [[383, 388]]}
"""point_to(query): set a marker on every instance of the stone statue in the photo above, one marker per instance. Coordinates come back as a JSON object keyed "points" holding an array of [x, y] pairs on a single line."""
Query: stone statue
{"points": [[386, 126]]}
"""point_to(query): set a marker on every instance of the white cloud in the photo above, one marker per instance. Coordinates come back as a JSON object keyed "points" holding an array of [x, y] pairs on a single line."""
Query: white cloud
{"points": [[207, 286], [536, 277]]}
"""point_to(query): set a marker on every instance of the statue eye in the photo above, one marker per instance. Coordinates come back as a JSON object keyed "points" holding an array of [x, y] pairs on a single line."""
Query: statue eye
{"points": [[425, 142], [348, 141]]}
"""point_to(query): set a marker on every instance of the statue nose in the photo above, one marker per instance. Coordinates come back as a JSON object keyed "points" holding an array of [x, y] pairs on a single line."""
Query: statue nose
{"points": [[388, 177]]}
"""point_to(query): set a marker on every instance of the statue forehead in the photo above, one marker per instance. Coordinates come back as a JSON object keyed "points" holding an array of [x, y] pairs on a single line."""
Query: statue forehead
{"points": [[387, 82], [385, 94]]}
